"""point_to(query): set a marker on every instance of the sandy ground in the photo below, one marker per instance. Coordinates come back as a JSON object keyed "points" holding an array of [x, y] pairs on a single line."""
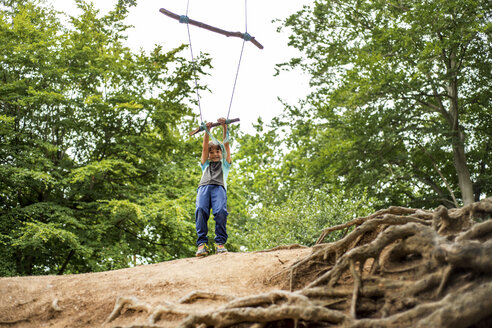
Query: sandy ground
{"points": [[86, 300]]}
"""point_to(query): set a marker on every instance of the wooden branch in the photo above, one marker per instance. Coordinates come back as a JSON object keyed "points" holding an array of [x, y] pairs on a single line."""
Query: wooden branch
{"points": [[212, 28], [233, 120]]}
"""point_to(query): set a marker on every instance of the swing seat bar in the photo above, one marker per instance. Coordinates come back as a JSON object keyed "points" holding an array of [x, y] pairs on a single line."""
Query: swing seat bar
{"points": [[244, 36], [232, 120]]}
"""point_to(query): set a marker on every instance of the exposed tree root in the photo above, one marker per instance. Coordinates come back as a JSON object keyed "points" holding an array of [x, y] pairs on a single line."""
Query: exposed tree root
{"points": [[140, 326], [395, 210], [368, 230], [228, 317], [131, 301], [155, 312], [459, 309], [282, 247], [13, 322], [204, 295], [477, 231], [398, 268]]}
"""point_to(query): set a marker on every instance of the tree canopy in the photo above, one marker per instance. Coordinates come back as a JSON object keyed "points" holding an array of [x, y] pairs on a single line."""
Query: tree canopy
{"points": [[97, 172], [401, 99], [90, 134]]}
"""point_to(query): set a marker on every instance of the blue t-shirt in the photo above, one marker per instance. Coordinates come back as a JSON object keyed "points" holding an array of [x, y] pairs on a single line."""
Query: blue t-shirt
{"points": [[215, 173]]}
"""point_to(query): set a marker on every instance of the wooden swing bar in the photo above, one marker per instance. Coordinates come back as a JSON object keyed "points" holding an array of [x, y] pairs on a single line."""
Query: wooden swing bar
{"points": [[244, 36], [233, 120]]}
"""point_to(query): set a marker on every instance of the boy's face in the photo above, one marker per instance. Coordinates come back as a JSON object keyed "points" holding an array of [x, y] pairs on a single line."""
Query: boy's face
{"points": [[214, 154]]}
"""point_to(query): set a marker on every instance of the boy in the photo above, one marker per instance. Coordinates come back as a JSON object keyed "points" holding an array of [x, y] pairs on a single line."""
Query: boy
{"points": [[211, 193]]}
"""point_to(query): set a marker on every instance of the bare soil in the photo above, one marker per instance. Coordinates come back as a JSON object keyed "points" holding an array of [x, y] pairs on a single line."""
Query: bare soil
{"points": [[398, 267], [86, 300]]}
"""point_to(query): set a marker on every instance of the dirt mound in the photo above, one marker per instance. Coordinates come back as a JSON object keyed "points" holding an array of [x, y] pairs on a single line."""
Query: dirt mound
{"points": [[398, 267], [86, 300]]}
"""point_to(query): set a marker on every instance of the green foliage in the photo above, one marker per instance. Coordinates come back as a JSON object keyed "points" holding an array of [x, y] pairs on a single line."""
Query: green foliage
{"points": [[94, 173], [401, 98], [303, 216], [273, 200]]}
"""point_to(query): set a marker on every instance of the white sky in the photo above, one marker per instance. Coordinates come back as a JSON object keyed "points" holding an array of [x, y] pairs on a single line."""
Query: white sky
{"points": [[256, 89]]}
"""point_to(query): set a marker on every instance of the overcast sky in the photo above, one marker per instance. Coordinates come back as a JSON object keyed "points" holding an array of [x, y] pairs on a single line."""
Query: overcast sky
{"points": [[256, 89]]}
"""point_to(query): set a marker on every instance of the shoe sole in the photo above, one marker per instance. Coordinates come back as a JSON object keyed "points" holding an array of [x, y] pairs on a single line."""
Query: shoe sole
{"points": [[202, 254]]}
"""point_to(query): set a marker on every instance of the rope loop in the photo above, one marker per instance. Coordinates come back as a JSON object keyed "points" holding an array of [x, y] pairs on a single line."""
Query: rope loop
{"points": [[246, 36], [184, 19]]}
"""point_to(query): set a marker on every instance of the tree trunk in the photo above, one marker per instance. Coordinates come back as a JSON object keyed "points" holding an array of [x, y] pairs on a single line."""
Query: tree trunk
{"points": [[64, 266], [24, 264], [464, 179], [458, 137]]}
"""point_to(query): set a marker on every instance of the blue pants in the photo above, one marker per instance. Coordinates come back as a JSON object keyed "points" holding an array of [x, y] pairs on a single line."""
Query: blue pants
{"points": [[211, 197]]}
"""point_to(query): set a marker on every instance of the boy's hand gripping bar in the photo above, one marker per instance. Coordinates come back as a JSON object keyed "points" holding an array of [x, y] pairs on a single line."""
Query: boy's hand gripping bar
{"points": [[202, 128]]}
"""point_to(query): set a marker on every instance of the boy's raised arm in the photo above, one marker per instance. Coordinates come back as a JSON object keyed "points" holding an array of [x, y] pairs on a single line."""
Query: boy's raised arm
{"points": [[224, 134], [205, 144]]}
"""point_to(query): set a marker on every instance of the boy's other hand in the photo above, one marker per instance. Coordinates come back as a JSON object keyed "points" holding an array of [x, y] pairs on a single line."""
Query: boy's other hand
{"points": [[222, 121], [209, 126]]}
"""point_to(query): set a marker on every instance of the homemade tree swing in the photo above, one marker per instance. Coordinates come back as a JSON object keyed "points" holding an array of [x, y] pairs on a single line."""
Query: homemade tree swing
{"points": [[245, 36]]}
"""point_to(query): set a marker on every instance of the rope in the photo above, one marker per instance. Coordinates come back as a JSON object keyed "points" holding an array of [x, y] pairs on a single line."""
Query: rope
{"points": [[246, 37], [246, 16], [235, 80], [185, 19]]}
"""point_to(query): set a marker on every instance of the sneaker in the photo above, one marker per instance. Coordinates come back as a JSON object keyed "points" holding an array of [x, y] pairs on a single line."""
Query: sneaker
{"points": [[202, 250], [221, 249]]}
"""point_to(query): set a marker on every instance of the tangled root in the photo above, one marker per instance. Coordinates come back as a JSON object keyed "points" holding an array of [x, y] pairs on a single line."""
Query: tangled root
{"points": [[398, 267]]}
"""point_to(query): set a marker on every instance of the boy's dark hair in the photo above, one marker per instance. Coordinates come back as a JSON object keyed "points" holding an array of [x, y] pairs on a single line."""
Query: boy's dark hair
{"points": [[213, 145]]}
